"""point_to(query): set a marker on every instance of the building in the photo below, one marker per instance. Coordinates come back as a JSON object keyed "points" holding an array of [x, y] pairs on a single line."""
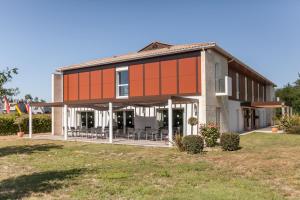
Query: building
{"points": [[158, 86]]}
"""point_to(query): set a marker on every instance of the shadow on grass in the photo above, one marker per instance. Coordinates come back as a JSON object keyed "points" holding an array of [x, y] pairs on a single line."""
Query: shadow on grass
{"points": [[27, 149], [43, 182]]}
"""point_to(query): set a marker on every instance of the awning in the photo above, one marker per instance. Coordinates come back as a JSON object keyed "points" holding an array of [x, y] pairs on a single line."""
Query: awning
{"points": [[102, 104], [263, 104]]}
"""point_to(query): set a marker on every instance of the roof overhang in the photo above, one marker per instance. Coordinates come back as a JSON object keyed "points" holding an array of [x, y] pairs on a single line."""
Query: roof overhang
{"points": [[265, 104], [102, 104]]}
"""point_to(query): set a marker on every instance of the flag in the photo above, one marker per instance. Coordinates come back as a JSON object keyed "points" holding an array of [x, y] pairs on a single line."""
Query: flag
{"points": [[27, 107], [18, 109], [7, 106]]}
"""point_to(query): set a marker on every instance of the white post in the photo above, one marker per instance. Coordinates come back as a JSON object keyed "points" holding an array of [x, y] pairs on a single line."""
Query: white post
{"points": [[52, 108], [30, 122], [170, 123], [110, 123], [65, 122]]}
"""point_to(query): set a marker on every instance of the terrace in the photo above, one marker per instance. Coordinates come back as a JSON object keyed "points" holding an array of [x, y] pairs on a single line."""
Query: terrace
{"points": [[150, 121]]}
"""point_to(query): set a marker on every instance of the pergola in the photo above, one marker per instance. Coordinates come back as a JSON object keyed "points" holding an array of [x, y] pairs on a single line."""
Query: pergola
{"points": [[111, 105]]}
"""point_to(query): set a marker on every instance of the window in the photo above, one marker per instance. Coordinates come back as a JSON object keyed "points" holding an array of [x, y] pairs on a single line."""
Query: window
{"points": [[122, 82], [258, 98], [252, 88], [237, 86], [218, 116], [219, 81], [246, 89], [263, 93]]}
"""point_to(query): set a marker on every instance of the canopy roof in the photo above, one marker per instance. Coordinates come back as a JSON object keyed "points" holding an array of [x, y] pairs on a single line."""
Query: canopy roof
{"points": [[102, 104], [265, 104]]}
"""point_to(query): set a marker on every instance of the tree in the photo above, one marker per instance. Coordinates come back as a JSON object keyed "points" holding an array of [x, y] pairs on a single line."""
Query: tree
{"points": [[290, 94], [6, 76], [28, 97]]}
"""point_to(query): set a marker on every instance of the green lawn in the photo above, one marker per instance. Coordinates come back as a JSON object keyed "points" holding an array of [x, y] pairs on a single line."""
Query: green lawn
{"points": [[267, 167]]}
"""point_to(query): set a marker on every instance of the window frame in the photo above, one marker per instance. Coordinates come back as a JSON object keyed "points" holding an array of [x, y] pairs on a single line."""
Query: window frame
{"points": [[246, 88], [237, 77], [118, 70]]}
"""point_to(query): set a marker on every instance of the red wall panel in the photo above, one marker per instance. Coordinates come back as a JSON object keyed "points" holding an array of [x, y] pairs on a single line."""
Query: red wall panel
{"points": [[199, 74], [169, 77], [84, 85], [152, 79], [66, 87], [136, 83], [108, 83], [96, 84], [73, 87], [187, 75]]}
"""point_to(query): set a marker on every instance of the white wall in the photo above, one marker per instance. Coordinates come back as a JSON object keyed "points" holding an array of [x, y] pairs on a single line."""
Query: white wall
{"points": [[236, 120]]}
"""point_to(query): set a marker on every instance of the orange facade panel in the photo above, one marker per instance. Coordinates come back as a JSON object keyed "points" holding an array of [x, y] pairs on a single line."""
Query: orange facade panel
{"points": [[108, 83], [96, 84], [66, 87], [73, 87], [151, 79], [187, 75], [136, 83], [199, 74], [168, 77], [84, 85]]}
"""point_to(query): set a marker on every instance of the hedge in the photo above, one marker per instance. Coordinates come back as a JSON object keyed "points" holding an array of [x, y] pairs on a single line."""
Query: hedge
{"points": [[40, 124]]}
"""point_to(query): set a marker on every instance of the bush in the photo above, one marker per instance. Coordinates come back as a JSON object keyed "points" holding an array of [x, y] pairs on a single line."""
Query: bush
{"points": [[230, 141], [178, 142], [193, 144], [40, 124], [287, 122], [210, 134], [294, 130]]}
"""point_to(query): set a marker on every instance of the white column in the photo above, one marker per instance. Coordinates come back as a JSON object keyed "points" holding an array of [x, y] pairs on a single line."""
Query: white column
{"points": [[65, 122], [30, 122], [170, 124], [52, 108], [110, 123]]}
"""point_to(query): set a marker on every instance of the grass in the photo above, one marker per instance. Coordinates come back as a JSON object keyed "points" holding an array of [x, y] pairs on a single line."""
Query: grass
{"points": [[266, 167]]}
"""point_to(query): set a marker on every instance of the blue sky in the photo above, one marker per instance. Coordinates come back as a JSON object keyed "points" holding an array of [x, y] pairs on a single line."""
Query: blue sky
{"points": [[39, 36]]}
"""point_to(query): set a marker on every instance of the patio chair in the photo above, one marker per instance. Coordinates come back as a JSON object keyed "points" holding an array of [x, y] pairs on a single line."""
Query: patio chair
{"points": [[164, 134], [130, 133], [99, 133], [154, 134]]}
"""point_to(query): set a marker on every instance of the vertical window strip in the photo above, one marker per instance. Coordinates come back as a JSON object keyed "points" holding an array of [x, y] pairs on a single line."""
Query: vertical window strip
{"points": [[252, 88], [237, 86], [258, 97], [246, 89]]}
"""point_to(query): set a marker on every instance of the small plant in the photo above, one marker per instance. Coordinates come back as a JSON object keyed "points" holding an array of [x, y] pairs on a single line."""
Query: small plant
{"points": [[230, 141], [193, 144], [193, 121], [178, 142], [19, 122], [210, 133]]}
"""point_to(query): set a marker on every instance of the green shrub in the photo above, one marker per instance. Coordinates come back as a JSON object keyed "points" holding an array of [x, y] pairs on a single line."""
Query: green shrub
{"points": [[178, 142], [288, 122], [40, 124], [294, 130], [210, 133], [193, 144], [230, 141]]}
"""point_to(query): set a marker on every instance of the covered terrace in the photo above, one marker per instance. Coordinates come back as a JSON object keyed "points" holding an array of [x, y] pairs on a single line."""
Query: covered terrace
{"points": [[145, 128]]}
